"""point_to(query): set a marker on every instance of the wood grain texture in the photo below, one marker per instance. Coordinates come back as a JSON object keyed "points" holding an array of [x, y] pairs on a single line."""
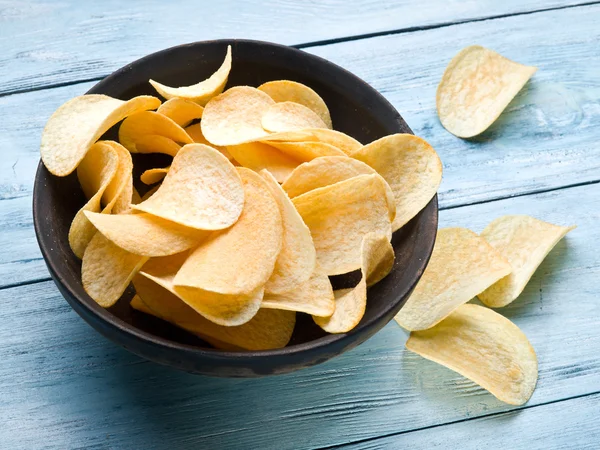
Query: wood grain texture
{"points": [[546, 139], [65, 386], [62, 42], [572, 424]]}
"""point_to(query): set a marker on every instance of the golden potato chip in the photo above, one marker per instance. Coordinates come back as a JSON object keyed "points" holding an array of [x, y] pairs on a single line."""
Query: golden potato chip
{"points": [[200, 92], [258, 156], [152, 176], [195, 132], [339, 215], [338, 139], [377, 260], [485, 347], [327, 170], [297, 258], [268, 329], [95, 173], [290, 116], [148, 194], [234, 117], [181, 111], [307, 151], [146, 235], [314, 296], [524, 241], [202, 190], [462, 265], [151, 132], [106, 270], [291, 91], [118, 195], [476, 87], [76, 125], [411, 167]]}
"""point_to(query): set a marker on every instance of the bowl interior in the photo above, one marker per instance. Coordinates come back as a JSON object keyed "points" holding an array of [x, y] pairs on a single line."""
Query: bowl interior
{"points": [[356, 109]]}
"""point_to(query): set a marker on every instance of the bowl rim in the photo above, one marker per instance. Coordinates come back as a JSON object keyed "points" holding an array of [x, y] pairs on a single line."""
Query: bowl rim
{"points": [[119, 324]]}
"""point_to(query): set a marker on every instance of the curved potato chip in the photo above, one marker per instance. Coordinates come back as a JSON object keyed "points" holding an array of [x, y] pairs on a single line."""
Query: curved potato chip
{"points": [[476, 87], [291, 91], [95, 173], [152, 176], [462, 265], [484, 347], [181, 111], [297, 258], [314, 296], [345, 143], [77, 124], [200, 92], [290, 116], [195, 133], [524, 241], [411, 167], [106, 270], [258, 156], [339, 215], [268, 329], [329, 170], [234, 117], [151, 132], [146, 235], [307, 151], [202, 190], [240, 259], [377, 260], [118, 195]]}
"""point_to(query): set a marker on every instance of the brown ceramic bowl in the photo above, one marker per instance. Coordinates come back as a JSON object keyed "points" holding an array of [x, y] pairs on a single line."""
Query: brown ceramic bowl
{"points": [[356, 109]]}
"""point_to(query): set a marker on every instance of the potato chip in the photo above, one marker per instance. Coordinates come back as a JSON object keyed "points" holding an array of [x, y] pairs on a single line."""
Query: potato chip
{"points": [[149, 194], [151, 132], [314, 296], [181, 111], [411, 167], [135, 197], [291, 91], [476, 87], [146, 235], [268, 329], [345, 143], [327, 170], [307, 151], [485, 347], [377, 260], [202, 190], [524, 241], [106, 270], [297, 258], [201, 92], [152, 176], [234, 117], [290, 116], [118, 195], [195, 132], [258, 156], [76, 125], [95, 173], [462, 265], [339, 215]]}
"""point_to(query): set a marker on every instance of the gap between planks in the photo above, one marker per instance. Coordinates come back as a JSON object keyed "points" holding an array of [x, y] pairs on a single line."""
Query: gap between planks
{"points": [[357, 37]]}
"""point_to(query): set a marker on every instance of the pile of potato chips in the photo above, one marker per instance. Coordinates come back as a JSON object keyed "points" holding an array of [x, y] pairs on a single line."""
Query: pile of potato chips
{"points": [[262, 203], [495, 266]]}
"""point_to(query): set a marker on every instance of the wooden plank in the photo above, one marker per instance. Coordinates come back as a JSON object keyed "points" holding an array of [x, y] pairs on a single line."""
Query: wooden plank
{"points": [[545, 140], [62, 42], [65, 386], [546, 137], [572, 424]]}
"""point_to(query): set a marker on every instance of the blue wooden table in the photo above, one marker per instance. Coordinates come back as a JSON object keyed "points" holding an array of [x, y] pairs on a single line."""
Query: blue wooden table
{"points": [[63, 386]]}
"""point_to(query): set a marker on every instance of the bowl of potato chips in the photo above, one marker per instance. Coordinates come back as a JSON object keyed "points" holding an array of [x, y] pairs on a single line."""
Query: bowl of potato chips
{"points": [[235, 208]]}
